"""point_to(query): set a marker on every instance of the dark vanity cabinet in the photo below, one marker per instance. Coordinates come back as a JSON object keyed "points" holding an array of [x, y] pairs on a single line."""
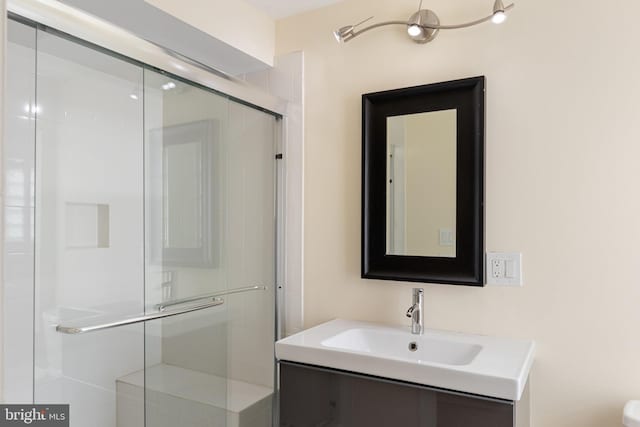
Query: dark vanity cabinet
{"points": [[312, 396]]}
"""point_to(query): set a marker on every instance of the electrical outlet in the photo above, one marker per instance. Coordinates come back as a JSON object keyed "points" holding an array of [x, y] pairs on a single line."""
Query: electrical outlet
{"points": [[497, 268], [504, 269]]}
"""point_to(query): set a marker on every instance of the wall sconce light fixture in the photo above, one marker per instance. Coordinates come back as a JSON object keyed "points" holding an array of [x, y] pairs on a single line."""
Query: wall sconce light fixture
{"points": [[424, 25]]}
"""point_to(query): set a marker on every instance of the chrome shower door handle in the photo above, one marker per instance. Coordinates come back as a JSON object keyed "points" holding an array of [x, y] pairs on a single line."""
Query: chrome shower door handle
{"points": [[83, 329]]}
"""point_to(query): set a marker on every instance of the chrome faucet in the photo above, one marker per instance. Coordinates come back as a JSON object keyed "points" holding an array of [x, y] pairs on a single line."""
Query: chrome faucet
{"points": [[415, 312]]}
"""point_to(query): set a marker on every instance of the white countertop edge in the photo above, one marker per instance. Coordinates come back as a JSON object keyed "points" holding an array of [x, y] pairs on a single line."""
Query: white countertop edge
{"points": [[443, 377], [523, 375]]}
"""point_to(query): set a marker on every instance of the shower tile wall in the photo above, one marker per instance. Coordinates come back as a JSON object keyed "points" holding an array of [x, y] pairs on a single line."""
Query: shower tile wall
{"points": [[19, 212]]}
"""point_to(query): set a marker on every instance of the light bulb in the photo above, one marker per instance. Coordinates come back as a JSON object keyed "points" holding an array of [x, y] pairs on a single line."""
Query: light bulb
{"points": [[499, 17], [344, 34], [414, 30], [133, 96]]}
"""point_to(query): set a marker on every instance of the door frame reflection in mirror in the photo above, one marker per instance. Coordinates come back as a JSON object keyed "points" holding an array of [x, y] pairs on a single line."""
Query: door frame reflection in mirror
{"points": [[467, 97]]}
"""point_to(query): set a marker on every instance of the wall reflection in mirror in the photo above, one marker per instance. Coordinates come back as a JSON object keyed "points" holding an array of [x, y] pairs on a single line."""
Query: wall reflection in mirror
{"points": [[421, 184]]}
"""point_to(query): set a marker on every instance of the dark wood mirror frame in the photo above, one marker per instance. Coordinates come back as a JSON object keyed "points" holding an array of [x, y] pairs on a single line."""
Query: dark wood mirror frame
{"points": [[467, 268]]}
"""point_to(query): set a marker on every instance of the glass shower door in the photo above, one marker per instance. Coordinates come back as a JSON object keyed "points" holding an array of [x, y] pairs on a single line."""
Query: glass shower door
{"points": [[154, 236], [210, 233], [186, 356], [89, 228]]}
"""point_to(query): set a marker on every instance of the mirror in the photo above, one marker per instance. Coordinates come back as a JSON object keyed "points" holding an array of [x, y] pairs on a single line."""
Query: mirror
{"points": [[423, 183], [421, 178]]}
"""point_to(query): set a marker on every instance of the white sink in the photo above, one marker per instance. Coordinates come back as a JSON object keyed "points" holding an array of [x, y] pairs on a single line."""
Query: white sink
{"points": [[395, 344], [488, 366]]}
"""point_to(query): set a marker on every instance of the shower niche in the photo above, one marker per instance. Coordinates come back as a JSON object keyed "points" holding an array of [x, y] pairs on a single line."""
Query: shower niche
{"points": [[139, 218]]}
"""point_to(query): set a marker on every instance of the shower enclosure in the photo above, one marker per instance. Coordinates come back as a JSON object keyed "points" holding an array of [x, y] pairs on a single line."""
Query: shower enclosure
{"points": [[140, 240]]}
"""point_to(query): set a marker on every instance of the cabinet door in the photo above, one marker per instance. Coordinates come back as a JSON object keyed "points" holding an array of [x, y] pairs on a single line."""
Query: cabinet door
{"points": [[463, 411], [311, 397]]}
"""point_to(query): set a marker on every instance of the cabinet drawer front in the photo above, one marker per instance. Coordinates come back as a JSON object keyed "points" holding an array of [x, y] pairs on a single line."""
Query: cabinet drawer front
{"points": [[314, 397]]}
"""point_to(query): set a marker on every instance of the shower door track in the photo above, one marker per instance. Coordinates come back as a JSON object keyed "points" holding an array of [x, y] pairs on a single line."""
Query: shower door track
{"points": [[56, 16]]}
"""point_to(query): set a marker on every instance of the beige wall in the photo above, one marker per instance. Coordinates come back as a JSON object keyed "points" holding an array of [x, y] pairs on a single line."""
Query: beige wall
{"points": [[563, 127], [3, 14], [235, 22]]}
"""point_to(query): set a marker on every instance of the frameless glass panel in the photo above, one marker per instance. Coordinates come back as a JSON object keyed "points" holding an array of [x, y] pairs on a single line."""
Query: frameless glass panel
{"points": [[18, 164], [89, 231], [210, 231]]}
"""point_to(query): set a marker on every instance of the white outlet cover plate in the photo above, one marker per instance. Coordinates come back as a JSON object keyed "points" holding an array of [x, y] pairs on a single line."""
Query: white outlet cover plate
{"points": [[509, 271]]}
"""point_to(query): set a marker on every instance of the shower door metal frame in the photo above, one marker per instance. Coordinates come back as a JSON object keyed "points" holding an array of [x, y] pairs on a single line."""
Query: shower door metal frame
{"points": [[103, 35]]}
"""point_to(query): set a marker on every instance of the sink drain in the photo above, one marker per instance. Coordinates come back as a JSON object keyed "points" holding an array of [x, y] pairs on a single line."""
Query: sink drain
{"points": [[413, 346]]}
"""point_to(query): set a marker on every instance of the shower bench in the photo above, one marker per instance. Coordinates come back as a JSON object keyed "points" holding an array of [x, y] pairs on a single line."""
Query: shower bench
{"points": [[179, 396]]}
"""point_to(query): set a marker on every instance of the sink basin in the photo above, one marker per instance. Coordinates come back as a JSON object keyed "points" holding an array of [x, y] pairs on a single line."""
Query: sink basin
{"points": [[476, 364], [397, 345]]}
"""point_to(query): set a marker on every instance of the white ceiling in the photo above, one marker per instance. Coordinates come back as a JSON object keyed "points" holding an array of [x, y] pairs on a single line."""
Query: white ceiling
{"points": [[282, 8]]}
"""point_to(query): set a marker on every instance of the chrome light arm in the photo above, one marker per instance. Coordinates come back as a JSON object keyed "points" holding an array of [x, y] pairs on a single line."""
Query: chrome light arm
{"points": [[378, 25], [467, 24], [347, 33]]}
